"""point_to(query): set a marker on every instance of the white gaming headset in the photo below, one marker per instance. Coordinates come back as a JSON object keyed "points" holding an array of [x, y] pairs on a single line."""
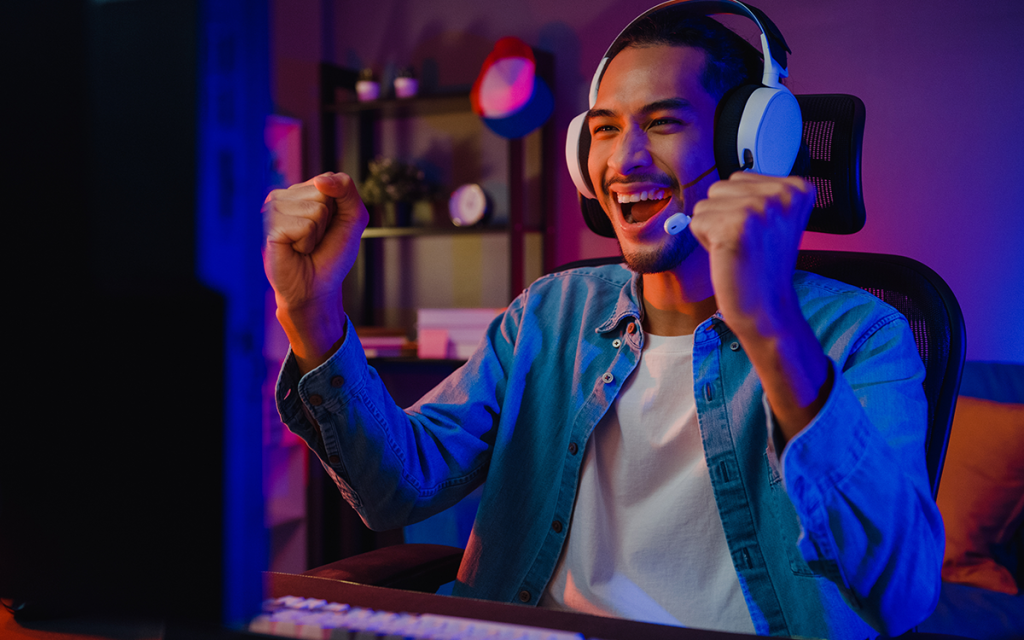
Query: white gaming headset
{"points": [[757, 127]]}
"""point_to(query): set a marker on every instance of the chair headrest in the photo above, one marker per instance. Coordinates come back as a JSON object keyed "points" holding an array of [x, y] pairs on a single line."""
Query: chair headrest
{"points": [[829, 158]]}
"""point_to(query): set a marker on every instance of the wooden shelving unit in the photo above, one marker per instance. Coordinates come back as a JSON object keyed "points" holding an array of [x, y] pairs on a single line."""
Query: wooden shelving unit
{"points": [[337, 89], [334, 530]]}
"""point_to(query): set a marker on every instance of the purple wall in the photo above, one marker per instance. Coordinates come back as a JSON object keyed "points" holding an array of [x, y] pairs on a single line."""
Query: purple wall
{"points": [[942, 89]]}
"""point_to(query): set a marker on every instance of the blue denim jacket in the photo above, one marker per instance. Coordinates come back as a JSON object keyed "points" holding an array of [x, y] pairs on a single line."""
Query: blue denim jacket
{"points": [[839, 534]]}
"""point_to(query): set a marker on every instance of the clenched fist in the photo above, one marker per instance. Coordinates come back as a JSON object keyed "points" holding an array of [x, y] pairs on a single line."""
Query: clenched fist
{"points": [[751, 226], [312, 240]]}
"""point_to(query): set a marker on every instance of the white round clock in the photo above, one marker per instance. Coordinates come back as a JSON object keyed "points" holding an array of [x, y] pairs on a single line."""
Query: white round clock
{"points": [[468, 205]]}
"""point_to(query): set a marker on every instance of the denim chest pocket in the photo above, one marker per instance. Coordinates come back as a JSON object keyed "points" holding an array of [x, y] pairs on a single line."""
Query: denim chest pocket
{"points": [[788, 523]]}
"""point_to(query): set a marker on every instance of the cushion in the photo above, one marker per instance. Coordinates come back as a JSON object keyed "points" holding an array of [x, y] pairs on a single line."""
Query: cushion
{"points": [[981, 495]]}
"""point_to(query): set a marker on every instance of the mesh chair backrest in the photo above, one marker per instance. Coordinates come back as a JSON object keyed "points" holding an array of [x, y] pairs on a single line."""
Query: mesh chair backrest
{"points": [[935, 319], [830, 159]]}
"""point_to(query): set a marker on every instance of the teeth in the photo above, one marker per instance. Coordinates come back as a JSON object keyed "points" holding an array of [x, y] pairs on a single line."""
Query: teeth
{"points": [[653, 194]]}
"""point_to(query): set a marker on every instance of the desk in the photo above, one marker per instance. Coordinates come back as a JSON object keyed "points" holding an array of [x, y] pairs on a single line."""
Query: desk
{"points": [[78, 629], [281, 584], [284, 584]]}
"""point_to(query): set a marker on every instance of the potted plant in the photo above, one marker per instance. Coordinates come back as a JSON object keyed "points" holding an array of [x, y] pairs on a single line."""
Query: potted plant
{"points": [[395, 186]]}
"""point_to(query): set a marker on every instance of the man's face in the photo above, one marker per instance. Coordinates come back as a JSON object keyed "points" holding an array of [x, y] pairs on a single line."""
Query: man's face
{"points": [[652, 132]]}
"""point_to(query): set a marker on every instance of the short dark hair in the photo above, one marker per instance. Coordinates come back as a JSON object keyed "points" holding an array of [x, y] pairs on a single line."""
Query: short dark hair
{"points": [[730, 61]]}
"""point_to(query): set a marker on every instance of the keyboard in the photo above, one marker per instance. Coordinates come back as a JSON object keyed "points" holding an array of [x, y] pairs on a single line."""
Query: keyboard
{"points": [[313, 619]]}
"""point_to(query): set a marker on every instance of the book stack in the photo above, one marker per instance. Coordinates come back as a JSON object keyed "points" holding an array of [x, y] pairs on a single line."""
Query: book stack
{"points": [[382, 342], [451, 333]]}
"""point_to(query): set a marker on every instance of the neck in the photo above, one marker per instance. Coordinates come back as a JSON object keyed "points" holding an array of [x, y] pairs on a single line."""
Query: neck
{"points": [[676, 301]]}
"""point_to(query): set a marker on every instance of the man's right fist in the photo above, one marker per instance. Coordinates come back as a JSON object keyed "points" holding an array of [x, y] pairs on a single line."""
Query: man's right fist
{"points": [[312, 231], [312, 237]]}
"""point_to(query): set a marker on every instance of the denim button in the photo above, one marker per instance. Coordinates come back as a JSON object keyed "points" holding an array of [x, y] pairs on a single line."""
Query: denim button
{"points": [[631, 328], [557, 526], [616, 343], [573, 448], [524, 596], [607, 378], [334, 459], [708, 392], [315, 400], [337, 382], [735, 346]]}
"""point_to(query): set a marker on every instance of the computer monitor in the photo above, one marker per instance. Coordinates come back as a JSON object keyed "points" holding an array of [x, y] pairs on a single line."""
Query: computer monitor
{"points": [[130, 448]]}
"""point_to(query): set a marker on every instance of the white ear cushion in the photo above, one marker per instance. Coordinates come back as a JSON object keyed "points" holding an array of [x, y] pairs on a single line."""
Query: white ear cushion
{"points": [[572, 155], [771, 128]]}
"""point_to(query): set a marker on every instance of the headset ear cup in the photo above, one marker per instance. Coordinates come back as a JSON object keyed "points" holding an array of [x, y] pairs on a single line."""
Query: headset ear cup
{"points": [[577, 154], [772, 128], [583, 154], [727, 126], [577, 150], [596, 218]]}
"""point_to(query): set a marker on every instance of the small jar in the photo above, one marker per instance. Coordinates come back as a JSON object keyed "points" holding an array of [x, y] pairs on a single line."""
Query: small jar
{"points": [[367, 87], [406, 85]]}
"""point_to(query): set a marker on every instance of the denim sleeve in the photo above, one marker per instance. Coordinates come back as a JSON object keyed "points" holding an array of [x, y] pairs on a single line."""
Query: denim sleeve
{"points": [[858, 481], [394, 466]]}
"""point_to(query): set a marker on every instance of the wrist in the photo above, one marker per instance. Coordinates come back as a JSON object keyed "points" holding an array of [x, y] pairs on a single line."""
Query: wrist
{"points": [[775, 320], [793, 369], [315, 332]]}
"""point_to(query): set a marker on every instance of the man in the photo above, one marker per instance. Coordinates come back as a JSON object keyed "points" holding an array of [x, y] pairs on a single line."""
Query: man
{"points": [[706, 439]]}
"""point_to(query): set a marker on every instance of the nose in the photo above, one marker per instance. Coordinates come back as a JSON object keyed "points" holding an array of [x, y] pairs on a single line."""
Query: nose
{"points": [[630, 152]]}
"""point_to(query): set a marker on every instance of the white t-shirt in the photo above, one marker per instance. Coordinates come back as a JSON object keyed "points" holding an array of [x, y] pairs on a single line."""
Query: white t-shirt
{"points": [[646, 542]]}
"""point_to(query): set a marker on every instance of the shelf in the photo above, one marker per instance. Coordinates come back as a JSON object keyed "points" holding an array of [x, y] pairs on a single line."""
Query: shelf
{"points": [[413, 360], [405, 232], [405, 107]]}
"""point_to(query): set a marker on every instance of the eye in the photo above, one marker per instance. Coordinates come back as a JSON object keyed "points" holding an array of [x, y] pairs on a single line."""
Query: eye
{"points": [[601, 128], [661, 122]]}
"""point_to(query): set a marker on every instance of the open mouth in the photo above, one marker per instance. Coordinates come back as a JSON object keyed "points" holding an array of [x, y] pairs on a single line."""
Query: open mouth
{"points": [[641, 207]]}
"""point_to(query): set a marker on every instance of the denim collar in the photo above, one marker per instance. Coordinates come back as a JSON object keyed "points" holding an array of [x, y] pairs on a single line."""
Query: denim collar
{"points": [[627, 305]]}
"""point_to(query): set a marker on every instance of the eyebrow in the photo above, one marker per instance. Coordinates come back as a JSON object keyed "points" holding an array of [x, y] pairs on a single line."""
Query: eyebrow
{"points": [[668, 104]]}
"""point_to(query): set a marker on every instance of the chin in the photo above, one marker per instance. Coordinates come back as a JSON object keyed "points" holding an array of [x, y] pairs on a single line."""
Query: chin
{"points": [[665, 257]]}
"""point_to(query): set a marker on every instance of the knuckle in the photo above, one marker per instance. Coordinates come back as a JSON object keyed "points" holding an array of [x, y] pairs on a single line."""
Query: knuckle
{"points": [[271, 214], [753, 203], [810, 189], [311, 209]]}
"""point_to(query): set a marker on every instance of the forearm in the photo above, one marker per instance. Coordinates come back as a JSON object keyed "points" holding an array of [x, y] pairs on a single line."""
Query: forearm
{"points": [[393, 466], [793, 369], [857, 479]]}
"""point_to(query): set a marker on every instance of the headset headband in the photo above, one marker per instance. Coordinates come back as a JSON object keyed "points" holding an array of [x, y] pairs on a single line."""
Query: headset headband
{"points": [[773, 45], [757, 126]]}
